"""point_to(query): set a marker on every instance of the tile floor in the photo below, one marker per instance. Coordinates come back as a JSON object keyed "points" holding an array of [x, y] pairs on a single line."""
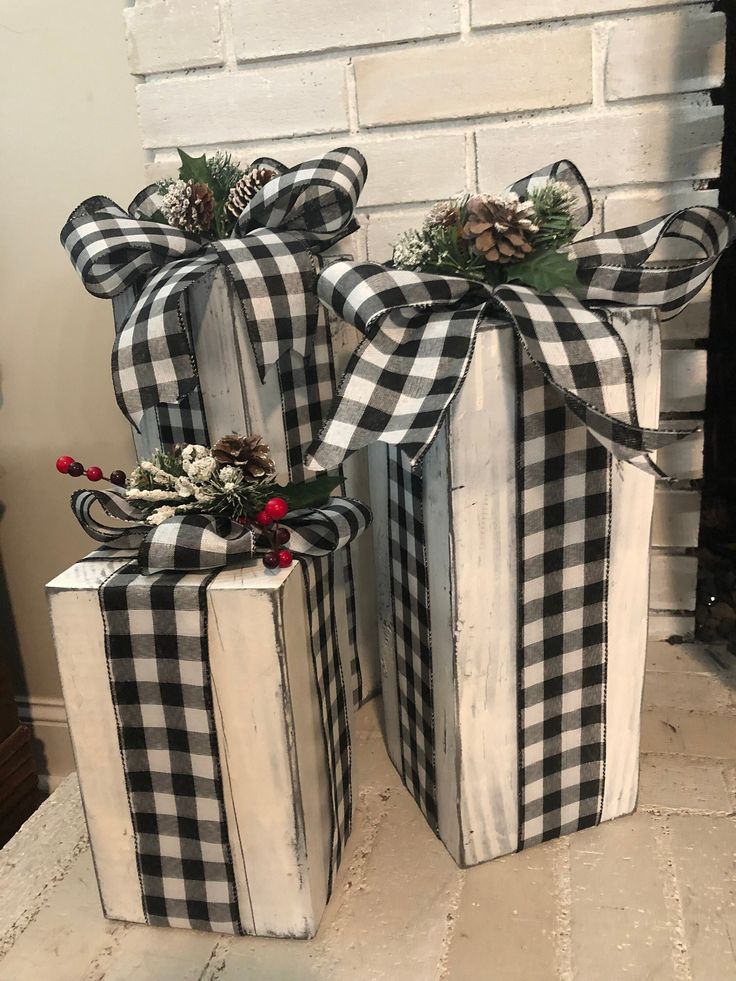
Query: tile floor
{"points": [[652, 896]]}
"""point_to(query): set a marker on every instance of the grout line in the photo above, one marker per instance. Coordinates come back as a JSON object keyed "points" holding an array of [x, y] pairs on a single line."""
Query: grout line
{"points": [[228, 36], [562, 934], [673, 901], [351, 92], [471, 162], [600, 52], [464, 18], [453, 905]]}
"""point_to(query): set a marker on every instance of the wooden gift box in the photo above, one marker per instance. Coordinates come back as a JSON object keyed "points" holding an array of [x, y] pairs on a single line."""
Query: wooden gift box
{"points": [[471, 557], [235, 400], [269, 732]]}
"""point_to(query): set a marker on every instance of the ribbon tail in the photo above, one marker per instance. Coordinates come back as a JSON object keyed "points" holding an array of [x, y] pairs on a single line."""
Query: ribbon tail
{"points": [[153, 361]]}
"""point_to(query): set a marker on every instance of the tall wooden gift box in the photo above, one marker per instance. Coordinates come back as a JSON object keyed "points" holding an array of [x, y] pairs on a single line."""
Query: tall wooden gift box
{"points": [[473, 681], [269, 733], [235, 400]]}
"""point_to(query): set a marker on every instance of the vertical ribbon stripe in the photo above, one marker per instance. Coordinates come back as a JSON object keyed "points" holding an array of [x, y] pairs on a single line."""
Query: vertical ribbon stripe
{"points": [[157, 656], [563, 520]]}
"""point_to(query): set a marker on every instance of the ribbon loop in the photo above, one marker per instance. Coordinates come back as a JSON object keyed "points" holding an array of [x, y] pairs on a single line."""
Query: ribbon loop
{"points": [[269, 260], [191, 542], [316, 198], [421, 328]]}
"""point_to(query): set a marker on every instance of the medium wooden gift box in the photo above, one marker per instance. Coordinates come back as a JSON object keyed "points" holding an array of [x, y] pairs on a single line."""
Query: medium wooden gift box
{"points": [[269, 732], [469, 508], [235, 400]]}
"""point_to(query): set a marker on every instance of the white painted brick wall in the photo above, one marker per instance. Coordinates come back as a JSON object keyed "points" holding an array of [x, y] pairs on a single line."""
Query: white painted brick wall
{"points": [[443, 96]]}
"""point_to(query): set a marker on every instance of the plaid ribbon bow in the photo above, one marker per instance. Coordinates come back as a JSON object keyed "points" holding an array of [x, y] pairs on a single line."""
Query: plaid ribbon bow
{"points": [[270, 260], [155, 615], [420, 331]]}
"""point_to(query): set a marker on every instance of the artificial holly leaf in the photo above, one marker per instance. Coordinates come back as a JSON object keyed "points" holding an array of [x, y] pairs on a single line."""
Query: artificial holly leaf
{"points": [[194, 168], [312, 494], [546, 271]]}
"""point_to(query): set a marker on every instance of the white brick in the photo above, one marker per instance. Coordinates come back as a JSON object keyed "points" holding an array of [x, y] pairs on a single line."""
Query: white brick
{"points": [[662, 626], [163, 35], [688, 733], [663, 143], [683, 381], [619, 918], [254, 104], [703, 851], [682, 51], [416, 168], [384, 229], [507, 916], [486, 13], [629, 207], [688, 692], [672, 583], [286, 27], [676, 518], [682, 784], [684, 459], [506, 73]]}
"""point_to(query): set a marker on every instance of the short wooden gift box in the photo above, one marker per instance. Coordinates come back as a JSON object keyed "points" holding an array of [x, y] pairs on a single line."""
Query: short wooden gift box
{"points": [[469, 508], [269, 731], [235, 400]]}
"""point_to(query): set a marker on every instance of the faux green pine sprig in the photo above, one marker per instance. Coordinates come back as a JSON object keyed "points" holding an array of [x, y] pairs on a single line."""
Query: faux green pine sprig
{"points": [[209, 194], [495, 240]]}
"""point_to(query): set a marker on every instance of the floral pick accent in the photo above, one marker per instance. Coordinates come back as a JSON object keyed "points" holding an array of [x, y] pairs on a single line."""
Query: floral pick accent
{"points": [[197, 479], [496, 239]]}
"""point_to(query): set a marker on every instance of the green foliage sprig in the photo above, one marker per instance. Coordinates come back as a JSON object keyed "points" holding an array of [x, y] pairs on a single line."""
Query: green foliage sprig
{"points": [[451, 238]]}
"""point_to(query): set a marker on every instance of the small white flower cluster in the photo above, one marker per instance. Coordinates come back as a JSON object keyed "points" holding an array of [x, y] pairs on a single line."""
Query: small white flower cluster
{"points": [[411, 251]]}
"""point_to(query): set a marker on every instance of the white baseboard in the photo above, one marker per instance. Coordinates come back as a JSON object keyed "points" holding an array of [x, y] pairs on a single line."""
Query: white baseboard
{"points": [[52, 744]]}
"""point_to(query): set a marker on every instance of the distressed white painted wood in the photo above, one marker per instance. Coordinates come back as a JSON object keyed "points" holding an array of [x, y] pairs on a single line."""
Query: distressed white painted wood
{"points": [[275, 777], [632, 498], [235, 400], [469, 512]]}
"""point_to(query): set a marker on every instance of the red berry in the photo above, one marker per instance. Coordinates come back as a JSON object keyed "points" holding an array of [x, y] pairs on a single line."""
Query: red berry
{"points": [[242, 520], [276, 508], [63, 463], [282, 535], [271, 560], [118, 478], [94, 474], [75, 469], [264, 519], [285, 558]]}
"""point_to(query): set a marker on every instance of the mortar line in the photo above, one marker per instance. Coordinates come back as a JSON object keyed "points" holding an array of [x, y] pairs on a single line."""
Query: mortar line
{"points": [[351, 93], [228, 36], [563, 900], [673, 900], [599, 41], [453, 905], [463, 12]]}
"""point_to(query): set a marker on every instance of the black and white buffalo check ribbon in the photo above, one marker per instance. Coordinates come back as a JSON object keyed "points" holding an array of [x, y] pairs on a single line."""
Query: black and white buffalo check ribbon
{"points": [[272, 260], [155, 613], [269, 258], [575, 411]]}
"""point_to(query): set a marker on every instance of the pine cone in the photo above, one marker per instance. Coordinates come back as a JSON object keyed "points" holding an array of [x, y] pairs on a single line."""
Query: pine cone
{"points": [[501, 229], [246, 452], [190, 206], [246, 188], [444, 214]]}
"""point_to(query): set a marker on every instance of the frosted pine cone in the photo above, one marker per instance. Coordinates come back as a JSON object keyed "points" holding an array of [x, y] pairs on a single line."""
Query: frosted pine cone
{"points": [[190, 206], [444, 214], [501, 229], [247, 453], [246, 188]]}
